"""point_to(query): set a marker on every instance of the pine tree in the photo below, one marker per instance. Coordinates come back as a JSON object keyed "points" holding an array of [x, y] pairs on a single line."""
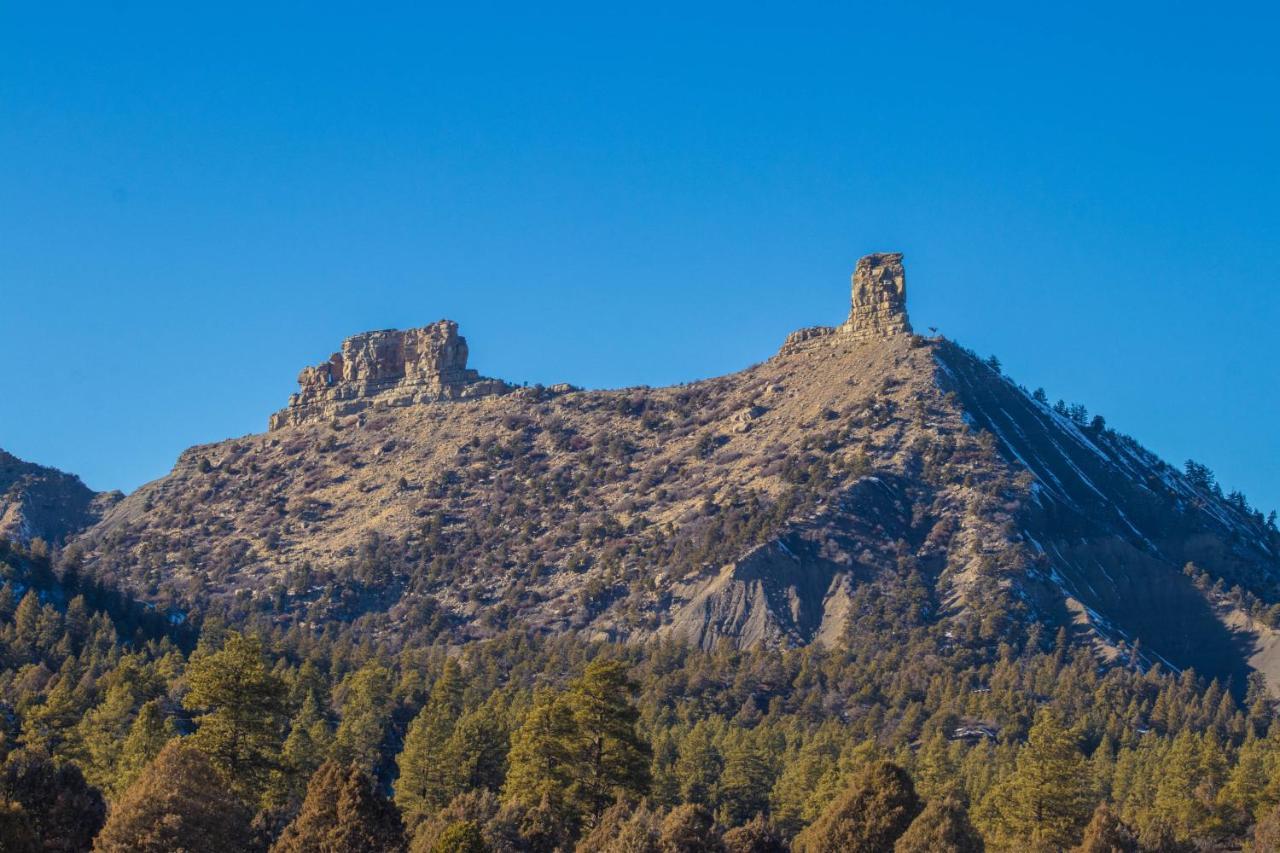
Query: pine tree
{"points": [[543, 756], [365, 713], [699, 766], [1106, 833], [745, 783], [179, 802], [757, 835], [869, 817], [150, 731], [477, 750], [1049, 797], [624, 828], [102, 732], [460, 837], [304, 750], [613, 757], [689, 829], [1266, 835], [58, 805], [343, 813], [16, 834], [239, 707], [943, 827], [428, 779]]}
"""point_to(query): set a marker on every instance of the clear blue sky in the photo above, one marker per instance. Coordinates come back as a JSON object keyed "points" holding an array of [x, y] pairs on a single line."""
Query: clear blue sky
{"points": [[196, 200]]}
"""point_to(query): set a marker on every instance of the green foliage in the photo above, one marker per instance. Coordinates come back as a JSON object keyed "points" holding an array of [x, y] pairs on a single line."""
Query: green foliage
{"points": [[461, 837], [343, 813], [868, 818], [1106, 833], [365, 709], [611, 757], [1048, 798], [179, 802], [526, 737], [238, 706], [943, 827], [429, 775]]}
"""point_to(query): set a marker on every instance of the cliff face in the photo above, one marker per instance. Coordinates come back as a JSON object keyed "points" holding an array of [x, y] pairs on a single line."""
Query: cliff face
{"points": [[879, 302], [387, 368], [45, 503], [404, 493]]}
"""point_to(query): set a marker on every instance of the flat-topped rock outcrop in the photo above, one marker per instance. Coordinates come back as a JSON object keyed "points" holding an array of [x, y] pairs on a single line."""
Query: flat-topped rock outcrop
{"points": [[389, 367]]}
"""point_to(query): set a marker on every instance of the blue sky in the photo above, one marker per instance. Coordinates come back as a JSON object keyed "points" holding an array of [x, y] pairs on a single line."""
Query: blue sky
{"points": [[195, 203]]}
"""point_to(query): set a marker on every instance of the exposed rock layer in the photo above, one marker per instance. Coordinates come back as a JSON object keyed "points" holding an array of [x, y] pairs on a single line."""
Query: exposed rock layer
{"points": [[755, 508], [879, 298], [390, 367], [45, 503], [878, 307]]}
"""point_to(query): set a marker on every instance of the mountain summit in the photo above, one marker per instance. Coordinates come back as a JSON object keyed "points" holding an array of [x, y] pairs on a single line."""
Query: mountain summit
{"points": [[406, 495]]}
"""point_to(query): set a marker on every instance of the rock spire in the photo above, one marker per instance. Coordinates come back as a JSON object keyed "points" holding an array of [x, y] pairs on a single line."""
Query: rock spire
{"points": [[879, 306]]}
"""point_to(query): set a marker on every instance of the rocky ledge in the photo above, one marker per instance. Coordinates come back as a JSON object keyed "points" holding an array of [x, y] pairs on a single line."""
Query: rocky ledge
{"points": [[391, 368]]}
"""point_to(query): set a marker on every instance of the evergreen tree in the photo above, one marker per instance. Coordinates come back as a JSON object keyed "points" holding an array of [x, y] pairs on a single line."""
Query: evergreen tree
{"points": [[460, 837], [613, 758], [239, 708], [1106, 833], [689, 829], [699, 766], [101, 735], [755, 836], [1266, 835], [477, 750], [481, 808], [60, 809], [16, 834], [179, 802], [343, 813], [304, 750], [150, 731], [943, 827], [365, 713], [1049, 797], [543, 758], [746, 782], [624, 828], [869, 817], [428, 778]]}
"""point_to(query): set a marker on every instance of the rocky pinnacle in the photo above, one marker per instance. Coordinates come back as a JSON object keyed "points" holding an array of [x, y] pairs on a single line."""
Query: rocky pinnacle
{"points": [[879, 306]]}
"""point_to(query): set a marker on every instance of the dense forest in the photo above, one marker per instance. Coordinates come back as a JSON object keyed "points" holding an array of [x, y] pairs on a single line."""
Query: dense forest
{"points": [[123, 730]]}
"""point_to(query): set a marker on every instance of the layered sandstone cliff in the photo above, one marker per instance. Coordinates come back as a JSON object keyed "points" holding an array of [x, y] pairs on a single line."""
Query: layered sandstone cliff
{"points": [[390, 368]]}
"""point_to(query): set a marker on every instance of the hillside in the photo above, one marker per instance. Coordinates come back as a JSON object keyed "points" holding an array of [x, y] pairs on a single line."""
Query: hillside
{"points": [[44, 503], [404, 494]]}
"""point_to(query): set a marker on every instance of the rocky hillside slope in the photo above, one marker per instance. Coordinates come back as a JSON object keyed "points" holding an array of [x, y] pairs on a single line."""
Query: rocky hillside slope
{"points": [[401, 492], [44, 503]]}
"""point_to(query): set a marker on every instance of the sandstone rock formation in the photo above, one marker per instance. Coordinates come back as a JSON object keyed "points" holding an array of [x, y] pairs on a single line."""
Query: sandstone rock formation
{"points": [[879, 298], [390, 367], [878, 307]]}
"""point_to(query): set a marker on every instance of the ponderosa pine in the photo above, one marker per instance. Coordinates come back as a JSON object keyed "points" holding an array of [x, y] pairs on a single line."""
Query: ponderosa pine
{"points": [[868, 817], [178, 802]]}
